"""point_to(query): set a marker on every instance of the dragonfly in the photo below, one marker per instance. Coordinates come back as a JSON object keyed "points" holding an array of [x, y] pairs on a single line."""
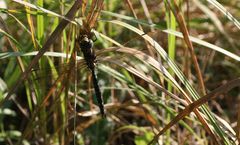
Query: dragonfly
{"points": [[85, 42]]}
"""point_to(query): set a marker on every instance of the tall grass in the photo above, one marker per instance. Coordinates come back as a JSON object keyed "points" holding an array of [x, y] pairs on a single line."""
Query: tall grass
{"points": [[164, 80]]}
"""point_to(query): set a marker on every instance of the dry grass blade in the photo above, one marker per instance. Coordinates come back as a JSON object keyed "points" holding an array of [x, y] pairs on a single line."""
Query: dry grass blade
{"points": [[62, 79], [91, 11], [191, 107], [70, 15], [31, 25], [19, 60], [28, 130], [153, 63], [183, 27], [15, 49], [215, 21], [84, 7], [225, 12], [184, 30], [205, 44], [130, 5], [94, 12], [61, 83], [97, 13], [132, 9], [238, 124], [178, 73]]}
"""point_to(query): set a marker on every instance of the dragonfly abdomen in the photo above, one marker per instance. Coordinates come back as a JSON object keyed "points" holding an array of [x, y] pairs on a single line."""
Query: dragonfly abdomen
{"points": [[98, 94]]}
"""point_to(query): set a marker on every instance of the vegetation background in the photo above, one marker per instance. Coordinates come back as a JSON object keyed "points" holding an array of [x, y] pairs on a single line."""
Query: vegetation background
{"points": [[168, 71]]}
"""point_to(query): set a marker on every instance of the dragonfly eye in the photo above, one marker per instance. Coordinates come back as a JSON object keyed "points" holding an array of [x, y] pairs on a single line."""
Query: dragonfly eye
{"points": [[86, 43]]}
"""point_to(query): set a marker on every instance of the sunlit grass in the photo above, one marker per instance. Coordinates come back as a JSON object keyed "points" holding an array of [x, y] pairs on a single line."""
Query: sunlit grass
{"points": [[144, 68]]}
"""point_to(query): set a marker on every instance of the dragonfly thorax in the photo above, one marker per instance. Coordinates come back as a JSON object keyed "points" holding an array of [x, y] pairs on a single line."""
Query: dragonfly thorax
{"points": [[86, 46], [86, 43]]}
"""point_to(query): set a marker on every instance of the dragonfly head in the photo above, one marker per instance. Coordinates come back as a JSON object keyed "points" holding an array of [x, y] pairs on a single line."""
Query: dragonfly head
{"points": [[85, 42]]}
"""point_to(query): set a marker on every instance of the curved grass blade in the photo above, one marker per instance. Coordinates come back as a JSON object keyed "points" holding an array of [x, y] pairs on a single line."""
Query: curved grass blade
{"points": [[182, 78], [225, 12], [188, 109], [176, 33]]}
